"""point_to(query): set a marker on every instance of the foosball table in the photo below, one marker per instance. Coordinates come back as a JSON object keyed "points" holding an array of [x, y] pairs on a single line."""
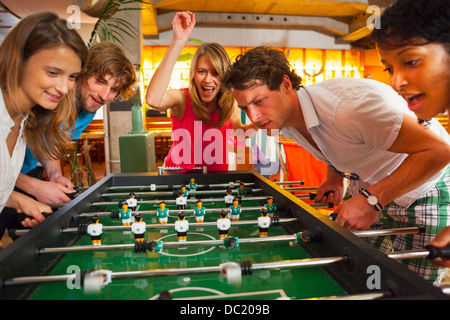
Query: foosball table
{"points": [[303, 255]]}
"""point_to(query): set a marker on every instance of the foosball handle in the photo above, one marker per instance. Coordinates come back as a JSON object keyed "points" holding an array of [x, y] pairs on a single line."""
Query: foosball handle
{"points": [[22, 216], [72, 195], [313, 195], [333, 216], [435, 252]]}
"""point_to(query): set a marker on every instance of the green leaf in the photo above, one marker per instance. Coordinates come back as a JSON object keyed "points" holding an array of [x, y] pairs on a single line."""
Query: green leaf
{"points": [[112, 28], [185, 57], [198, 41]]}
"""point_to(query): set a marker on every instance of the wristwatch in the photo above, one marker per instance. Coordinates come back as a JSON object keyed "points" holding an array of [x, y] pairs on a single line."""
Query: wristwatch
{"points": [[371, 199]]}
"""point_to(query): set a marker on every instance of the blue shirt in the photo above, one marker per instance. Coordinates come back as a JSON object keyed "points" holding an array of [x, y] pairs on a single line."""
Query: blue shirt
{"points": [[82, 121]]}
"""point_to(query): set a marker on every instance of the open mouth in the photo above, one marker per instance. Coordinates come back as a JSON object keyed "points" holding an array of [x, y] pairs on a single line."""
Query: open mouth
{"points": [[415, 102], [208, 90]]}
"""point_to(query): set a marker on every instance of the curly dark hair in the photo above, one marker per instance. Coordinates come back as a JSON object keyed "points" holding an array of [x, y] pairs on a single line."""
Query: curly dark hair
{"points": [[261, 63], [414, 22]]}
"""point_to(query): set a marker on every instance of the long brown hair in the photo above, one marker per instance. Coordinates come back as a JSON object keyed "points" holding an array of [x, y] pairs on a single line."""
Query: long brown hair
{"points": [[225, 101], [46, 131]]}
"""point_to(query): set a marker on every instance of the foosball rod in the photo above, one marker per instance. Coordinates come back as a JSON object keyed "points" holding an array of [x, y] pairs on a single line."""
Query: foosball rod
{"points": [[171, 193], [59, 205], [21, 232], [225, 185], [182, 271], [196, 192], [228, 269], [169, 201], [191, 224], [301, 237], [105, 213], [171, 244]]}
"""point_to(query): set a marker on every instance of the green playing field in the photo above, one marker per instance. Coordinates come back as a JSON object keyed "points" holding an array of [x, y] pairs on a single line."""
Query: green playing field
{"points": [[278, 283]]}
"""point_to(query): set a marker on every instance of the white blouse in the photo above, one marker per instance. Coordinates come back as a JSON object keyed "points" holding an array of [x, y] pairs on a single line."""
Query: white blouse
{"points": [[9, 165]]}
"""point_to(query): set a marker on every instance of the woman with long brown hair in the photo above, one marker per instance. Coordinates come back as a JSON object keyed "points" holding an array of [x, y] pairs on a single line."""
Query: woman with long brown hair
{"points": [[40, 59]]}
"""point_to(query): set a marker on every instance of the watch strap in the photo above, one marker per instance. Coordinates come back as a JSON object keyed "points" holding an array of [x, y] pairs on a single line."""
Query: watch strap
{"points": [[367, 194]]}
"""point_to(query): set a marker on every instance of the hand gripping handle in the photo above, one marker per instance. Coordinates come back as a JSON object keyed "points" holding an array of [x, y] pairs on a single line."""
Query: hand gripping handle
{"points": [[435, 252]]}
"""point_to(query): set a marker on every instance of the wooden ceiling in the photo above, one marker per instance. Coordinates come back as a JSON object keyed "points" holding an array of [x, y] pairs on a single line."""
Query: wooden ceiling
{"points": [[346, 20]]}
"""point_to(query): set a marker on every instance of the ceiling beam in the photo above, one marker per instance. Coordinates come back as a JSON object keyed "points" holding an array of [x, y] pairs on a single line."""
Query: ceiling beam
{"points": [[149, 21], [324, 25], [164, 3], [361, 25]]}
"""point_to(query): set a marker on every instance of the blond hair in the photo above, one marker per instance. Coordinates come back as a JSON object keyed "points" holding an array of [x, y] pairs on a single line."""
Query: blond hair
{"points": [[46, 131], [224, 100]]}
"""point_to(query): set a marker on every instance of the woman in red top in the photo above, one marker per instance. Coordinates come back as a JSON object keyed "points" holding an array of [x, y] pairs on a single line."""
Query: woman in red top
{"points": [[202, 114]]}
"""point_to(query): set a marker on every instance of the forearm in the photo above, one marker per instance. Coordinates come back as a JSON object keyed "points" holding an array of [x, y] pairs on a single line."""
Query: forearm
{"points": [[160, 81], [415, 170], [427, 155], [15, 199], [52, 169], [334, 177], [28, 184]]}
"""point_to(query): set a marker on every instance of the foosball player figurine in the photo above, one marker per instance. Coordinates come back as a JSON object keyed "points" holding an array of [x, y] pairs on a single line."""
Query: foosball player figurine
{"points": [[185, 191], [270, 206], [241, 191], [223, 224], [229, 198], [192, 185], [132, 202], [235, 210], [230, 242], [155, 246], [162, 212], [138, 228], [125, 213], [199, 212], [263, 223], [95, 230], [181, 226], [181, 201]]}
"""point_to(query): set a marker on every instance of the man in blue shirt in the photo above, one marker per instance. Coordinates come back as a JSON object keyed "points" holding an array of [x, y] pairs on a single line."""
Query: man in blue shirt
{"points": [[107, 75]]}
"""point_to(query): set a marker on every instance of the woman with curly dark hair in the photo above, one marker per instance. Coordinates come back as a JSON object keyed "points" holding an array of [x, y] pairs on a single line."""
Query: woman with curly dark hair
{"points": [[413, 42], [414, 45]]}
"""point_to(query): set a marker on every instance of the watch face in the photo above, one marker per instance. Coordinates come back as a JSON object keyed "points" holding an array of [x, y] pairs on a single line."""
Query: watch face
{"points": [[372, 200]]}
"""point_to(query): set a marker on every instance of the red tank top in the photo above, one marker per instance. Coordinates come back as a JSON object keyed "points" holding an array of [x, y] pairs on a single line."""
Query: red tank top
{"points": [[197, 144]]}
